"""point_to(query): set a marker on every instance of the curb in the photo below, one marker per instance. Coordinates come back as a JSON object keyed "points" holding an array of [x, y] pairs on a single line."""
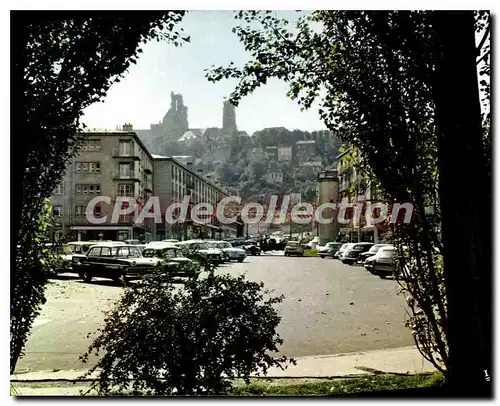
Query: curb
{"points": [[335, 366]]}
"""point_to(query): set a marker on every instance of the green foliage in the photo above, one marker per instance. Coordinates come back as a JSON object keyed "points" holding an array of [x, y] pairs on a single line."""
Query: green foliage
{"points": [[62, 67], [371, 73], [192, 341], [43, 262], [323, 387], [311, 253]]}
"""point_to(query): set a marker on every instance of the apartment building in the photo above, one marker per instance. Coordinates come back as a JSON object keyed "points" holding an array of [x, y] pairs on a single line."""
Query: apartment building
{"points": [[173, 181], [110, 163], [356, 188], [117, 164]]}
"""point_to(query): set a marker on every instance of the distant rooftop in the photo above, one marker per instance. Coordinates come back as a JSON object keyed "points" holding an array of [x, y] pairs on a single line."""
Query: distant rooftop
{"points": [[158, 156], [306, 142]]}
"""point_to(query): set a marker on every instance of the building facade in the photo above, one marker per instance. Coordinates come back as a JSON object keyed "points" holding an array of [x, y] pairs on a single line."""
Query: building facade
{"points": [[175, 181], [328, 192], [117, 164], [356, 188], [112, 164]]}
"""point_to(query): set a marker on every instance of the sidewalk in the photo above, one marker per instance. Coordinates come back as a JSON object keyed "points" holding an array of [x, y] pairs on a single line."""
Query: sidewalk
{"points": [[405, 360]]}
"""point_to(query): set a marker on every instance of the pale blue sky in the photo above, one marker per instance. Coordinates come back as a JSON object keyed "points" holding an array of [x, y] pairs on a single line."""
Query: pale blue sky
{"points": [[143, 96]]}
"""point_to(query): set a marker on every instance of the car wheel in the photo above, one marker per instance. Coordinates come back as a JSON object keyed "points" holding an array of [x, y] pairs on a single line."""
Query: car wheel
{"points": [[87, 277], [240, 260], [382, 275], [322, 256]]}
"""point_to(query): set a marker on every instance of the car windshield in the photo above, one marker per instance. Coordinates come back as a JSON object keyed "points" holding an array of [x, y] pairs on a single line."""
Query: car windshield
{"points": [[225, 245], [343, 247], [161, 253], [293, 244], [200, 246], [374, 249], [386, 253]]}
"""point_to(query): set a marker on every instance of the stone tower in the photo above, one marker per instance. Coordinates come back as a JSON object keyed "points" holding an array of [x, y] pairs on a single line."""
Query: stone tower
{"points": [[328, 192], [175, 122], [229, 119]]}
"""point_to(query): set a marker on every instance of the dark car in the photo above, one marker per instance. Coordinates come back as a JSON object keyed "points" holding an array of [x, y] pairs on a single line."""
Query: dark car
{"points": [[352, 254], [330, 249], [372, 251], [251, 247], [115, 262]]}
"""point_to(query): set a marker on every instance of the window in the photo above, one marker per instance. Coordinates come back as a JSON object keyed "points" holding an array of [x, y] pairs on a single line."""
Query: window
{"points": [[80, 211], [88, 167], [123, 252], [125, 190], [94, 252], [87, 189], [94, 167], [125, 170], [59, 189], [57, 211], [125, 148], [105, 251]]}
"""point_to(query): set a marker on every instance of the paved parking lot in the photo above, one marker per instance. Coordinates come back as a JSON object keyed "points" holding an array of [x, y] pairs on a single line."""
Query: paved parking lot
{"points": [[329, 308]]}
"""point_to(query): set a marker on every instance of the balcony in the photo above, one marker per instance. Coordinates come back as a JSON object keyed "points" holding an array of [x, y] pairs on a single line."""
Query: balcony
{"points": [[128, 175], [130, 153]]}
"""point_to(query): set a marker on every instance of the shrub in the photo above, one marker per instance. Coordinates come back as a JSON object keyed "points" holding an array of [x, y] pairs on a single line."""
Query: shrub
{"points": [[311, 253], [160, 340]]}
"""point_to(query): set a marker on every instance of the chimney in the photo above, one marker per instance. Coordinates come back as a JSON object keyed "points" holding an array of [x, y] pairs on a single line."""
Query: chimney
{"points": [[189, 165], [127, 127]]}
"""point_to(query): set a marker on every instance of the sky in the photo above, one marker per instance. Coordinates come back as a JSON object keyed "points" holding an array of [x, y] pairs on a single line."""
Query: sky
{"points": [[142, 97]]}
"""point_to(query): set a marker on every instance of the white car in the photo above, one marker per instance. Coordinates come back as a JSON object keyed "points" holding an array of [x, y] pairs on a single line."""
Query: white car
{"points": [[344, 250], [236, 254]]}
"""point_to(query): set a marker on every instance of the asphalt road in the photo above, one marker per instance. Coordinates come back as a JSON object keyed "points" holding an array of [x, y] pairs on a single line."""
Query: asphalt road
{"points": [[329, 308]]}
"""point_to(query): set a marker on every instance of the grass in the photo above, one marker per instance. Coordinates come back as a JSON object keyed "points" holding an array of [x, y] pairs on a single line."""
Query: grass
{"points": [[322, 387], [311, 253], [304, 387]]}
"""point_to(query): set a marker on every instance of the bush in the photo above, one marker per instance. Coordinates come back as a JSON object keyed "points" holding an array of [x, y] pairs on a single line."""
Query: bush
{"points": [[311, 253], [160, 340]]}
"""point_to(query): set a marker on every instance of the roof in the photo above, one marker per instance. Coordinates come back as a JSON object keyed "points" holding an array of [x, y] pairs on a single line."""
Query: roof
{"points": [[154, 156], [119, 132], [193, 133], [305, 142]]}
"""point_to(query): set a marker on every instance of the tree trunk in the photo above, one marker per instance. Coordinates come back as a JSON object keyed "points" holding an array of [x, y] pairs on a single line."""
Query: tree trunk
{"points": [[465, 195]]}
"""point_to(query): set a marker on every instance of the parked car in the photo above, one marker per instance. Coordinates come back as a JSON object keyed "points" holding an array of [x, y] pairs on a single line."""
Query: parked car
{"points": [[251, 247], [351, 255], [114, 261], [340, 251], [383, 263], [199, 247], [140, 246], [371, 252], [172, 240], [236, 254], [294, 248], [132, 242], [329, 249], [343, 250], [171, 253]]}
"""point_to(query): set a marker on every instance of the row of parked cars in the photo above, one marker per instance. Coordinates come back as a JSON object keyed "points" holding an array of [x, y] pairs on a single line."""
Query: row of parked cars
{"points": [[376, 258], [119, 260]]}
